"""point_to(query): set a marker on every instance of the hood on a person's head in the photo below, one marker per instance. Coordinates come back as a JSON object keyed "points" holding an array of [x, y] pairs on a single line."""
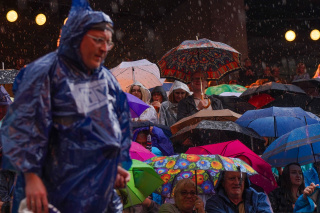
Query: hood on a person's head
{"points": [[146, 95], [81, 18], [160, 90], [178, 85]]}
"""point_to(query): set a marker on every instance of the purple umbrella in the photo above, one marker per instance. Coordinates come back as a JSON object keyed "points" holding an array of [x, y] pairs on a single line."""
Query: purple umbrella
{"points": [[137, 106]]}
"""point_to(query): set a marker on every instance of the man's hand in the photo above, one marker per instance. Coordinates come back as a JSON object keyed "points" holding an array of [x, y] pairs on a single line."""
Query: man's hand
{"points": [[122, 178], [36, 193]]}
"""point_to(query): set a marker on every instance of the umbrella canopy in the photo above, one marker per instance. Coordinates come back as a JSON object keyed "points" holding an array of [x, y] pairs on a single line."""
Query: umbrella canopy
{"points": [[314, 106], [235, 103], [5, 98], [290, 100], [275, 121], [214, 115], [143, 71], [144, 180], [301, 145], [260, 100], [139, 124], [272, 88], [203, 169], [136, 106], [8, 76], [140, 153], [213, 59], [236, 149], [217, 90], [211, 132], [310, 86]]}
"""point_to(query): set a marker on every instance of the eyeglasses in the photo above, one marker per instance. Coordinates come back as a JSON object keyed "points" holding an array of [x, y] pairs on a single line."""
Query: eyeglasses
{"points": [[101, 41], [233, 179], [185, 193]]}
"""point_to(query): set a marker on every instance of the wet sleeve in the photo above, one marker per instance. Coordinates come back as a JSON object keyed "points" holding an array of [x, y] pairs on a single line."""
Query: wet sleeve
{"points": [[263, 204], [162, 115], [124, 119], [26, 127]]}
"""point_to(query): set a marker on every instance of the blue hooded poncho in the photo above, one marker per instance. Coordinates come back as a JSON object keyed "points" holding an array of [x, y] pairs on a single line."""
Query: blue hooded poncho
{"points": [[70, 128]]}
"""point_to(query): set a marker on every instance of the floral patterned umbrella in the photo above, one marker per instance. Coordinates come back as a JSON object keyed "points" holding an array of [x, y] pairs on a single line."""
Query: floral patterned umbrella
{"points": [[203, 169], [214, 59]]}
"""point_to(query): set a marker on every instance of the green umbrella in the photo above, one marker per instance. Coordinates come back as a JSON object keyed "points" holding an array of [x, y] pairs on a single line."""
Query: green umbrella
{"points": [[217, 90], [144, 180]]}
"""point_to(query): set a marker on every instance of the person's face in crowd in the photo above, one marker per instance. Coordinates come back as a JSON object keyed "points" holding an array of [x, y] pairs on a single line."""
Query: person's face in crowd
{"points": [[157, 97], [179, 94], [233, 184], [247, 63], [267, 71], [94, 47], [276, 72], [196, 81], [301, 68], [185, 198], [295, 175], [142, 139], [136, 91]]}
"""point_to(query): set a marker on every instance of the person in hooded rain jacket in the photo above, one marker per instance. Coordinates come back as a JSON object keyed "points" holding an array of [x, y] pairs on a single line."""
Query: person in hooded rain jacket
{"points": [[158, 96], [138, 90], [168, 110], [68, 130], [234, 194]]}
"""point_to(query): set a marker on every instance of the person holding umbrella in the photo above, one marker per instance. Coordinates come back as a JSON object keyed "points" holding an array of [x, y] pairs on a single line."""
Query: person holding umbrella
{"points": [[197, 101], [158, 95], [234, 194], [185, 198], [138, 90]]}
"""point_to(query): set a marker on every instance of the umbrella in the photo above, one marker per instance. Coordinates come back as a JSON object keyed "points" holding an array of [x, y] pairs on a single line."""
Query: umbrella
{"points": [[215, 115], [140, 153], [211, 132], [310, 86], [138, 124], [136, 106], [143, 71], [301, 145], [4, 96], [272, 88], [203, 169], [144, 180], [217, 90], [275, 121], [260, 100], [214, 59], [290, 100], [314, 106], [236, 149], [235, 103], [8, 76], [237, 94]]}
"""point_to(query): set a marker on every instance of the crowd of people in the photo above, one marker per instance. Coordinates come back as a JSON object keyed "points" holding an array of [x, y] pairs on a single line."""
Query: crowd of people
{"points": [[66, 137]]}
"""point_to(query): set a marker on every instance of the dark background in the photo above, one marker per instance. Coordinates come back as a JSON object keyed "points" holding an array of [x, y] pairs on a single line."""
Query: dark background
{"points": [[150, 28]]}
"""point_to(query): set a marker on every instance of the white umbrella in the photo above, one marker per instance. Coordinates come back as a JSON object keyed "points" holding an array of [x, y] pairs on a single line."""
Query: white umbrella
{"points": [[144, 71]]}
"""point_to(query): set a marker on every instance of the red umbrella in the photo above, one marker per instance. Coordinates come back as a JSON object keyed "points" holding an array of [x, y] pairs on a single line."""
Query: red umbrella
{"points": [[260, 100], [140, 153], [236, 149]]}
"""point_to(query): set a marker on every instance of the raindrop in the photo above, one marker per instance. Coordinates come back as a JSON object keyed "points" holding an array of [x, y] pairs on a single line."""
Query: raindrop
{"points": [[114, 7]]}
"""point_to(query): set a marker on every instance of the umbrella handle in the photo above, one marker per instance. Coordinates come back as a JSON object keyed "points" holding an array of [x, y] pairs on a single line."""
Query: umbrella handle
{"points": [[209, 102]]}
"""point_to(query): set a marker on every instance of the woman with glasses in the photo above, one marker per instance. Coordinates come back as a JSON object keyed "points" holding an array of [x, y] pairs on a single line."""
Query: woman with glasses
{"points": [[292, 186], [186, 200], [168, 110]]}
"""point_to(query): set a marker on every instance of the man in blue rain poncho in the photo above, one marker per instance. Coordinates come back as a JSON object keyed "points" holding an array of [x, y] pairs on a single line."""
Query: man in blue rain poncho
{"points": [[67, 133]]}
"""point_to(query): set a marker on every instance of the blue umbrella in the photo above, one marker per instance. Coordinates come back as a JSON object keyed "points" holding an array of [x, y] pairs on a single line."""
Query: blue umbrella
{"points": [[301, 145], [136, 106], [275, 121]]}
